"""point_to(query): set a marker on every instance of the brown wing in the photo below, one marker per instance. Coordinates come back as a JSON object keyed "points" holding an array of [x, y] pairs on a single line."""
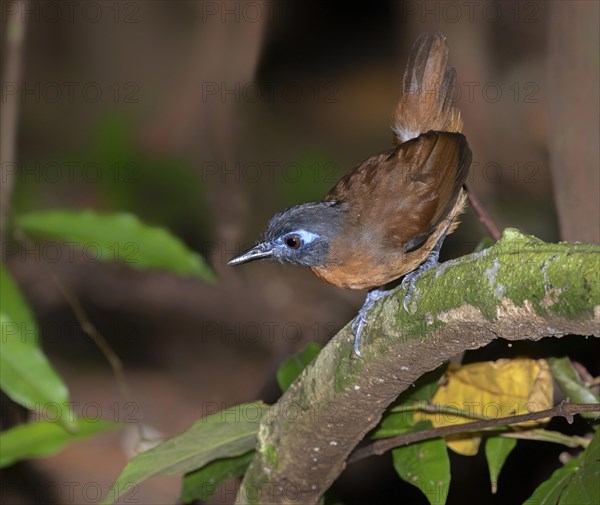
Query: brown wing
{"points": [[397, 198]]}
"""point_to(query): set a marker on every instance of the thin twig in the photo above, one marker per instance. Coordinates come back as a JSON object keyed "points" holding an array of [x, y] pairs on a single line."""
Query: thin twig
{"points": [[483, 215], [433, 408], [583, 372], [535, 434], [565, 409], [9, 113], [89, 329], [11, 75], [554, 437]]}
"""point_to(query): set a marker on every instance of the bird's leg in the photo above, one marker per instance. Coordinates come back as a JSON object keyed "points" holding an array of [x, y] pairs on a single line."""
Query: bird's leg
{"points": [[411, 277], [360, 321]]}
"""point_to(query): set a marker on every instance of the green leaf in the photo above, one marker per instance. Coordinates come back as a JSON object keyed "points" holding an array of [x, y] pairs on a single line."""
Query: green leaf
{"points": [[117, 237], [203, 483], [571, 384], [484, 243], [231, 432], [576, 483], [497, 450], [548, 492], [15, 307], [584, 487], [291, 368], [398, 423], [26, 375], [43, 438], [425, 387], [401, 418], [425, 465]]}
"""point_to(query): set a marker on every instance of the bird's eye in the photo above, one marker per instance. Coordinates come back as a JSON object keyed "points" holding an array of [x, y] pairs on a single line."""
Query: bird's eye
{"points": [[293, 241]]}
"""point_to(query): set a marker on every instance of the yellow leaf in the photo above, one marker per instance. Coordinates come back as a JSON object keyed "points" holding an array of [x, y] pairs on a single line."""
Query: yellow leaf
{"points": [[490, 389]]}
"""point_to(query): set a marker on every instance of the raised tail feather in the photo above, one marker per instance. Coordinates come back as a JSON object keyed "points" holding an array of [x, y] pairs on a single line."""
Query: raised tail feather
{"points": [[427, 90]]}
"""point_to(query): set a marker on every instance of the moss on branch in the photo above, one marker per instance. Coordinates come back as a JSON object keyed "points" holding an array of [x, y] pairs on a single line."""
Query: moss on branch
{"points": [[520, 288]]}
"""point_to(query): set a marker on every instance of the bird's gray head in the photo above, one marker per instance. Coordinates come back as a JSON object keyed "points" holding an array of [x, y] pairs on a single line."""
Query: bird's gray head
{"points": [[301, 235]]}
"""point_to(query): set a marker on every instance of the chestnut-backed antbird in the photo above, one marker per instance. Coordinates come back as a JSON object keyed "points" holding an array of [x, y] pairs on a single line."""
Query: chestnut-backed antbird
{"points": [[388, 217]]}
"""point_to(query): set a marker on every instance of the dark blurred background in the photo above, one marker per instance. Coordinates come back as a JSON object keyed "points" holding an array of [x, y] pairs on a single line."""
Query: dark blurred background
{"points": [[208, 117]]}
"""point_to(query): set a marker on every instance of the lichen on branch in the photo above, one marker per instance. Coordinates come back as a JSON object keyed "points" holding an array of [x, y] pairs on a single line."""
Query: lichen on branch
{"points": [[521, 288]]}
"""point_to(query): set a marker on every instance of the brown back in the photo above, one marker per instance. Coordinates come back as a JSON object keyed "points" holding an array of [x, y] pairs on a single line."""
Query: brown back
{"points": [[399, 197]]}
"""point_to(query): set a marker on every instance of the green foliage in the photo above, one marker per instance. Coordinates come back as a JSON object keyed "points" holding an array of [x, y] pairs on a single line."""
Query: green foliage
{"points": [[584, 487], [222, 445], [226, 434], [26, 375], [497, 450], [291, 368], [571, 384], [484, 243], [548, 493], [161, 188], [117, 237], [424, 389], [400, 419], [202, 484], [396, 423], [425, 465], [576, 483], [115, 172], [43, 438], [15, 306]]}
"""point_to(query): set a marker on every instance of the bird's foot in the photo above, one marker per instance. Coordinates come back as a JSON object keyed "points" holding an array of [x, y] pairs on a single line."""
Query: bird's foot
{"points": [[360, 321], [411, 277]]}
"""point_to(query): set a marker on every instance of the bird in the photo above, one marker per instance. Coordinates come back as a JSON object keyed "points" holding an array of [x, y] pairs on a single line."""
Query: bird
{"points": [[388, 217]]}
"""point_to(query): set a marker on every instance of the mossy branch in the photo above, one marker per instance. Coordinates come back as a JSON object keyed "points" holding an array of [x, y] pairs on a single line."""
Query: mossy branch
{"points": [[519, 289]]}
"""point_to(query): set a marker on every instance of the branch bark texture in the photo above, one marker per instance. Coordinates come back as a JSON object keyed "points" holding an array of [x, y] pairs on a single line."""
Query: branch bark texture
{"points": [[519, 289]]}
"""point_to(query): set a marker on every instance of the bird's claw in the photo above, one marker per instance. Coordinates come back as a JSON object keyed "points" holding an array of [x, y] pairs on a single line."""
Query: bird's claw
{"points": [[409, 283], [357, 322], [410, 278], [357, 326], [360, 321]]}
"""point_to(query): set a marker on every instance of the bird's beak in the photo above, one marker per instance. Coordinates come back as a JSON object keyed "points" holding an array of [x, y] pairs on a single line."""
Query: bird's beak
{"points": [[261, 251]]}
